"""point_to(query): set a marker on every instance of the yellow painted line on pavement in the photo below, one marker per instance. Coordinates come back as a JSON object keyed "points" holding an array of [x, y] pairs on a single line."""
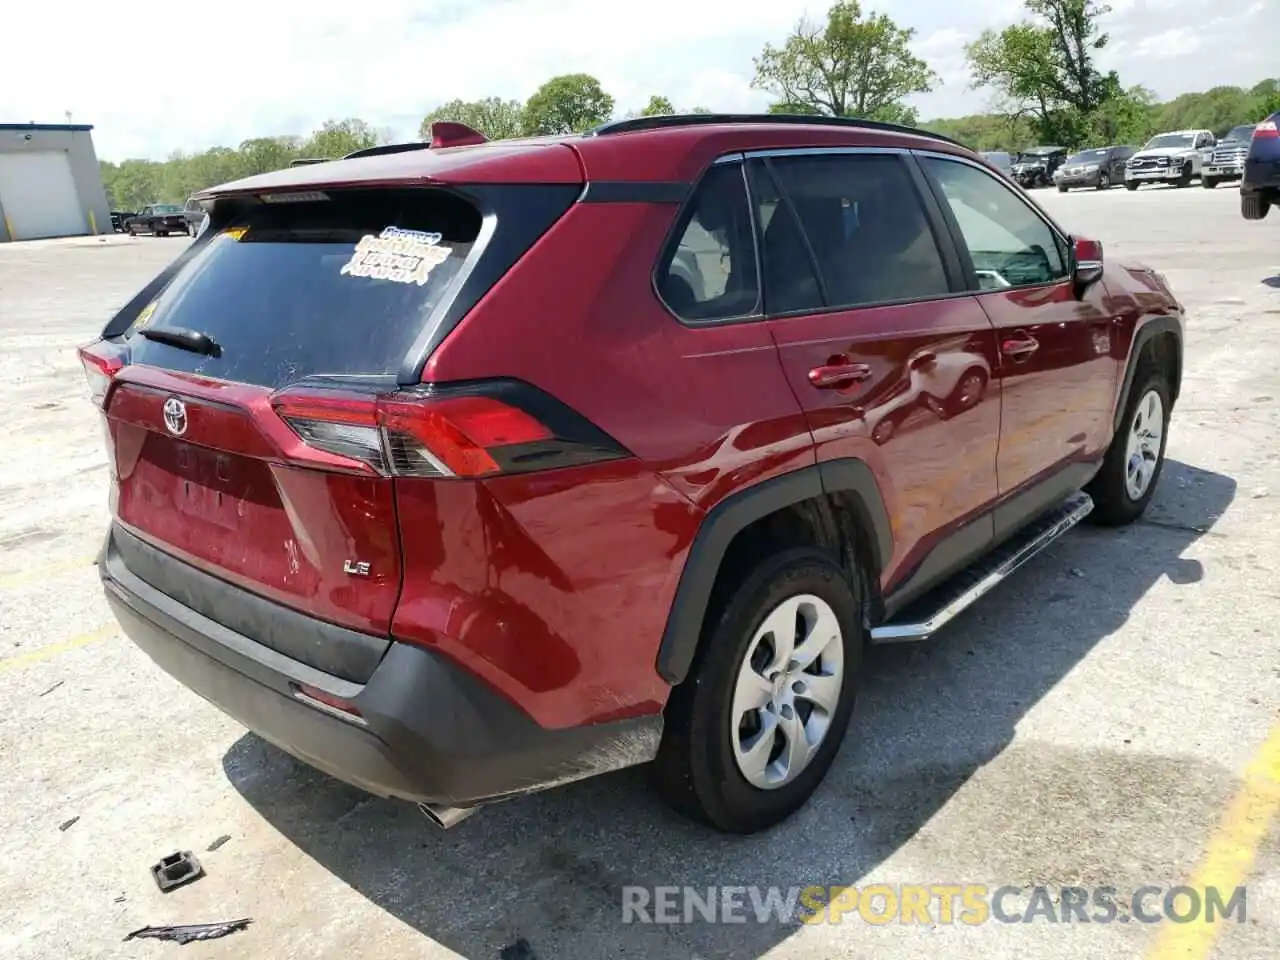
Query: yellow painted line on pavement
{"points": [[51, 650], [48, 571], [1229, 857]]}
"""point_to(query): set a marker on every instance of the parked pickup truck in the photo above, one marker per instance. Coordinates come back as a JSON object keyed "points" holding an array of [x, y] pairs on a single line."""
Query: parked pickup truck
{"points": [[158, 219], [1174, 157], [1226, 162]]}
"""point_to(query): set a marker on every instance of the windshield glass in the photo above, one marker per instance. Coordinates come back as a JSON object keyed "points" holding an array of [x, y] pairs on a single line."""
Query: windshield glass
{"points": [[167, 208], [1240, 133], [1170, 140], [1089, 156]]}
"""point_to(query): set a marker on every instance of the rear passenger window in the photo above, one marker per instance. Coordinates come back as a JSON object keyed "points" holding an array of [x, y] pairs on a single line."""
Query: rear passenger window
{"points": [[1009, 243], [790, 285], [866, 227], [710, 273]]}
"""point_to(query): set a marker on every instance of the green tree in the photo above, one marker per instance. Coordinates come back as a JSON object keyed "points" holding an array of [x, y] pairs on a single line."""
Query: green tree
{"points": [[572, 103], [337, 138], [496, 118], [854, 65], [262, 154], [658, 107], [1045, 66]]}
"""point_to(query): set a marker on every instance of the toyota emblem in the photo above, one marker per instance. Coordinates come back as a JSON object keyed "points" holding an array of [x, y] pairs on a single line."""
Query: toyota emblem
{"points": [[175, 416]]}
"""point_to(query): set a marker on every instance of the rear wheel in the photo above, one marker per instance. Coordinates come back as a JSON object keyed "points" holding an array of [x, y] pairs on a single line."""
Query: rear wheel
{"points": [[1254, 206], [1104, 181], [1127, 480], [754, 728]]}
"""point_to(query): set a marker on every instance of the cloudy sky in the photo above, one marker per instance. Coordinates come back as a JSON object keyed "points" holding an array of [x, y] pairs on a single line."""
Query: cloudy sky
{"points": [[155, 76]]}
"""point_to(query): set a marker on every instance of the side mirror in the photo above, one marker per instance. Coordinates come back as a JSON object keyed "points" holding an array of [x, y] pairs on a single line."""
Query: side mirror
{"points": [[1086, 263]]}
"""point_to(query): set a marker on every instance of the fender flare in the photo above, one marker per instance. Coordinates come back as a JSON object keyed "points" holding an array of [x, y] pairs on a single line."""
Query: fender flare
{"points": [[734, 514], [1144, 333]]}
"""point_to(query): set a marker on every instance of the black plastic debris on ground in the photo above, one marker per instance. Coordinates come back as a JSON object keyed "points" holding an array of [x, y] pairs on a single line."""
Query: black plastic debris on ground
{"points": [[217, 843], [190, 932], [520, 950], [66, 825], [175, 870]]}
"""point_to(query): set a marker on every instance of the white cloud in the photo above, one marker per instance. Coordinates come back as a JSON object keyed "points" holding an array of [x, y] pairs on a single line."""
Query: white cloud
{"points": [[246, 68]]}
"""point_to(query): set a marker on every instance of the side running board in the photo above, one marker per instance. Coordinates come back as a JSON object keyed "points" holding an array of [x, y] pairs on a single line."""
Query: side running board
{"points": [[934, 610]]}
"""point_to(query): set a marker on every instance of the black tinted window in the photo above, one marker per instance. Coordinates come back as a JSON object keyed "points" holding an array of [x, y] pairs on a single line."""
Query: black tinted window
{"points": [[866, 226], [710, 272], [789, 281], [338, 286], [1009, 243]]}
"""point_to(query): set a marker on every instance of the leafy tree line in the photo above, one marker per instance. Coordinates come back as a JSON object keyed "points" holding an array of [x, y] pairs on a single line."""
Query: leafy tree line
{"points": [[1040, 72]]}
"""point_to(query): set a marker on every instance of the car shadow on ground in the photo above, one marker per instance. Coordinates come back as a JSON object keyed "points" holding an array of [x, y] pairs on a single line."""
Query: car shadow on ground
{"points": [[551, 868], [1272, 281]]}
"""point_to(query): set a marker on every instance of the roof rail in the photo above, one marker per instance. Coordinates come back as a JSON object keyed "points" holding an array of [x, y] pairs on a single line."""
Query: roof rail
{"points": [[385, 148], [702, 119], [303, 161]]}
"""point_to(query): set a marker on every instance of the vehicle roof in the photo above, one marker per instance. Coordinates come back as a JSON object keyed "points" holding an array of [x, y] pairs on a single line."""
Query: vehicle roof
{"points": [[666, 153], [1169, 133]]}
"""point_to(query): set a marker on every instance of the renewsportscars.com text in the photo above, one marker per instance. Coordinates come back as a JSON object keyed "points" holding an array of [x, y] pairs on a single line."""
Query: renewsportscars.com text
{"points": [[970, 904]]}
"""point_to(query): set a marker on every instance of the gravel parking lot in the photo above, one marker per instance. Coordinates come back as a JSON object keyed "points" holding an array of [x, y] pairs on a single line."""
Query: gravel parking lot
{"points": [[1110, 716]]}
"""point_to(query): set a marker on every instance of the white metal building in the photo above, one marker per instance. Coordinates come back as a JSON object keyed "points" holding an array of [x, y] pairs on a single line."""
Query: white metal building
{"points": [[50, 184]]}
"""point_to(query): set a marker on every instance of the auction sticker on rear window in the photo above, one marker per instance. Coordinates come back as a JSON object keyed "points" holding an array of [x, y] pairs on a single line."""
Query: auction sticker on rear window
{"points": [[402, 256]]}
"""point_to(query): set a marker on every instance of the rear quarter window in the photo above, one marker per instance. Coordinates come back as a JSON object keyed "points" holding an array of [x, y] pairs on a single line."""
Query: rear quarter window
{"points": [[342, 286]]}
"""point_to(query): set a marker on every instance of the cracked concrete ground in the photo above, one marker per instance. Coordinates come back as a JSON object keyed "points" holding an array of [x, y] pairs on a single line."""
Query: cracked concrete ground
{"points": [[1086, 724]]}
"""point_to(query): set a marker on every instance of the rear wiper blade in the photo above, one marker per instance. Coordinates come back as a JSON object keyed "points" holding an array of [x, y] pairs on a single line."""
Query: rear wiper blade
{"points": [[183, 339]]}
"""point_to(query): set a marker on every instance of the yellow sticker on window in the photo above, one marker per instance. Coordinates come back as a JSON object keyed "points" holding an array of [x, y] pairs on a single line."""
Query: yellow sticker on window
{"points": [[235, 233], [144, 315]]}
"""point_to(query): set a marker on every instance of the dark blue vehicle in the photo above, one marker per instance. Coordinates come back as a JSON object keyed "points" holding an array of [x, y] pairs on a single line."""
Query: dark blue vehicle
{"points": [[1260, 187]]}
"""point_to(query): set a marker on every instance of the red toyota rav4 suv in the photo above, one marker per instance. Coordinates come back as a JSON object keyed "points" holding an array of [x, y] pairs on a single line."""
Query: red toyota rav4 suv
{"points": [[462, 470]]}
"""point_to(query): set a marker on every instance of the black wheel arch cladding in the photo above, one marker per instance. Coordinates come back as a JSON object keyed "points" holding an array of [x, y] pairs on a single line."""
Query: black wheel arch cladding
{"points": [[734, 514]]}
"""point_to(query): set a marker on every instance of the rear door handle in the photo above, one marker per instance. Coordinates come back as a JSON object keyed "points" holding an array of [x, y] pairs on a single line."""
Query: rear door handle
{"points": [[1020, 348], [836, 373]]}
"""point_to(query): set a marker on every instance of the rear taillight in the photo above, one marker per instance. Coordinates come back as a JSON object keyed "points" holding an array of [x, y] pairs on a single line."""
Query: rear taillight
{"points": [[1266, 130], [475, 431], [101, 363]]}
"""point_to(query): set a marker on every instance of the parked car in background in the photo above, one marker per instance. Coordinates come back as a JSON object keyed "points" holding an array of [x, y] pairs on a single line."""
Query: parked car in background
{"points": [[1000, 160], [158, 219], [195, 216], [1035, 166], [1260, 187], [365, 499], [1226, 161], [1099, 168], [1175, 158]]}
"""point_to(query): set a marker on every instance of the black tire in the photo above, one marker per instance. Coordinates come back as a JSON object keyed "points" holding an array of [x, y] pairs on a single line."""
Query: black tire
{"points": [[1254, 206], [1104, 181], [695, 770], [1184, 180], [131, 230], [1130, 185], [1062, 188], [1208, 182], [1112, 504]]}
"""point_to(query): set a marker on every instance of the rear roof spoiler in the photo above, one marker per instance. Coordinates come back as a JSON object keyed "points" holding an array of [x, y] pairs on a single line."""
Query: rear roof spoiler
{"points": [[303, 161]]}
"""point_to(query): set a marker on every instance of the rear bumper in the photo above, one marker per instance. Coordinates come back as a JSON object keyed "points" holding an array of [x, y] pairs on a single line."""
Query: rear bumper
{"points": [[429, 732]]}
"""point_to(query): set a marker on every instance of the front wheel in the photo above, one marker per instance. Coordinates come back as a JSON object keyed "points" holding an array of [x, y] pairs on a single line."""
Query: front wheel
{"points": [[1130, 185], [1104, 181], [1208, 182], [754, 728], [1127, 479], [1062, 188], [1184, 179]]}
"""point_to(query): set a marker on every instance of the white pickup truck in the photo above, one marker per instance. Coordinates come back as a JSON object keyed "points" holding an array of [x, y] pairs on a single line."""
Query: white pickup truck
{"points": [[1175, 157]]}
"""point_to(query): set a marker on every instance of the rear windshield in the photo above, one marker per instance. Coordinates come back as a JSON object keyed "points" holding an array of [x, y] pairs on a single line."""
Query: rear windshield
{"points": [[338, 286]]}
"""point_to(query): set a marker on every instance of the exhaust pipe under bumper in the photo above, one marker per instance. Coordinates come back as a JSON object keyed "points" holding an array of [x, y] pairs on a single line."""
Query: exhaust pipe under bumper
{"points": [[446, 817]]}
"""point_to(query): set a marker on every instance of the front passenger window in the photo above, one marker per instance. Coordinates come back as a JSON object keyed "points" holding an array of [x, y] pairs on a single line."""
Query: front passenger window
{"points": [[1009, 243], [710, 273]]}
